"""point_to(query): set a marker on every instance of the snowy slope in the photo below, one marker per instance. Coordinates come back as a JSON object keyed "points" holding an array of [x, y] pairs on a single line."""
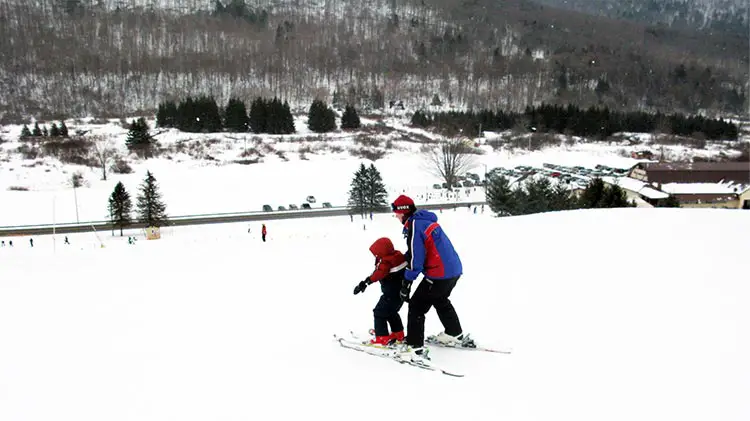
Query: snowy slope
{"points": [[612, 315]]}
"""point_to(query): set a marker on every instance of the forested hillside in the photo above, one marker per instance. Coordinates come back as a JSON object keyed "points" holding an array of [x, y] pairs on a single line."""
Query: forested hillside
{"points": [[729, 16], [69, 58]]}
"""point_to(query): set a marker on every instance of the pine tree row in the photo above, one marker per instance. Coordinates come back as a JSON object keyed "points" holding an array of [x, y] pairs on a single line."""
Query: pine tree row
{"points": [[54, 131], [202, 114], [272, 116], [539, 195], [591, 122]]}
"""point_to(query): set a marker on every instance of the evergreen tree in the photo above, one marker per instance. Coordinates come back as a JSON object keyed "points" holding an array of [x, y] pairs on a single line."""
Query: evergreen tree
{"points": [[54, 131], [274, 123], [521, 200], [161, 116], [599, 195], [375, 189], [538, 193], [25, 132], [614, 197], [593, 194], [37, 131], [166, 114], [321, 118], [120, 207], [257, 116], [560, 198], [273, 117], [288, 119], [139, 139], [196, 115], [350, 119], [151, 209], [500, 196], [45, 132], [235, 116], [358, 199], [63, 130], [209, 117]]}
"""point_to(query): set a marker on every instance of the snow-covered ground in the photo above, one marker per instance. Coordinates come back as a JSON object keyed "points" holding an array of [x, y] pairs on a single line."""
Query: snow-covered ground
{"points": [[200, 173], [209, 323]]}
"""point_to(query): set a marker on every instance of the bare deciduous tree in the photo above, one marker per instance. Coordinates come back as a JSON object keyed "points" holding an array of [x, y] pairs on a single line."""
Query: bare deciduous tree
{"points": [[103, 151], [450, 160]]}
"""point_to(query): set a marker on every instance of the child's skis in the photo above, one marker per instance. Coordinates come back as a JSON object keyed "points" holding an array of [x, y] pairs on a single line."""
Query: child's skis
{"points": [[390, 352]]}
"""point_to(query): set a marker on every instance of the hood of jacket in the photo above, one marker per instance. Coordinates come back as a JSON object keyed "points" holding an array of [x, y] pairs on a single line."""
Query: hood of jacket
{"points": [[425, 215], [382, 247]]}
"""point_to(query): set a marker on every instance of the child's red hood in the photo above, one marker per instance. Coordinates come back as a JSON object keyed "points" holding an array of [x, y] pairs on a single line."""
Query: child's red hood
{"points": [[382, 247]]}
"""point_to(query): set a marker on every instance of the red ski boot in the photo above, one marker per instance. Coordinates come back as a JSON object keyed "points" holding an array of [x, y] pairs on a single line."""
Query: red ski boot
{"points": [[397, 337], [381, 340]]}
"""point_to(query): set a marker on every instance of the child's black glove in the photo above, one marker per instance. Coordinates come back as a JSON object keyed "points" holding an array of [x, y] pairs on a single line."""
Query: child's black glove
{"points": [[362, 285], [405, 290]]}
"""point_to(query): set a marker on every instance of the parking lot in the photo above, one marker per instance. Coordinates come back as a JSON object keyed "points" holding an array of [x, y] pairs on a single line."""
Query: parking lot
{"points": [[574, 176]]}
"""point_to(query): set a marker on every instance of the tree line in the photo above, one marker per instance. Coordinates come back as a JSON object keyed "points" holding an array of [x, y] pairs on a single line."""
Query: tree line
{"points": [[593, 122], [483, 54], [536, 195]]}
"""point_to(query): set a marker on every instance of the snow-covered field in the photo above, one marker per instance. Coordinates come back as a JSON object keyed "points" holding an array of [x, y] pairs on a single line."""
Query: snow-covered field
{"points": [[198, 174], [209, 323]]}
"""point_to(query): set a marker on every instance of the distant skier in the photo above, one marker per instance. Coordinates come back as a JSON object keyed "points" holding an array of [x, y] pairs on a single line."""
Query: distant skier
{"points": [[66, 240], [429, 252], [390, 265], [31, 241], [263, 233]]}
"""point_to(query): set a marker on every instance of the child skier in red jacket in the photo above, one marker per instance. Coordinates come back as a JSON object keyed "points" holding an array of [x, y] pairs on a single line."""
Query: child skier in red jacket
{"points": [[390, 265]]}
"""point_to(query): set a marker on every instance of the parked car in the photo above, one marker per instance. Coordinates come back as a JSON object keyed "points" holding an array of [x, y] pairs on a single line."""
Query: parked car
{"points": [[436, 186], [310, 199], [327, 205], [293, 207], [306, 206], [267, 208], [281, 208]]}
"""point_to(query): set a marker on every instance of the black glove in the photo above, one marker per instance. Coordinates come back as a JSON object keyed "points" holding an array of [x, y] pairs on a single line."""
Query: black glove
{"points": [[405, 290], [362, 285]]}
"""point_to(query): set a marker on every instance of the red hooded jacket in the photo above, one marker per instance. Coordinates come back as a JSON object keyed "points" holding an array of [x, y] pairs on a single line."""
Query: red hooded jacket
{"points": [[387, 259]]}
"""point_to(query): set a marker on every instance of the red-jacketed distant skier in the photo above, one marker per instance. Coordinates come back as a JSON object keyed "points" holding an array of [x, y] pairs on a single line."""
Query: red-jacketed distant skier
{"points": [[390, 265]]}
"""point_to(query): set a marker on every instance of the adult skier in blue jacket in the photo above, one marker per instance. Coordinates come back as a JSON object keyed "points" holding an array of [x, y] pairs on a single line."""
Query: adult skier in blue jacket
{"points": [[430, 252]]}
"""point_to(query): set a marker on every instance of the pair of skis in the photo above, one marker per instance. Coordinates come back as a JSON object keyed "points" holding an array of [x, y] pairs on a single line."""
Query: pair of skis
{"points": [[396, 354]]}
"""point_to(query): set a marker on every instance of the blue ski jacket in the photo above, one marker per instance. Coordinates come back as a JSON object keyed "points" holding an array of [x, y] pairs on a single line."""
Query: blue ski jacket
{"points": [[430, 251]]}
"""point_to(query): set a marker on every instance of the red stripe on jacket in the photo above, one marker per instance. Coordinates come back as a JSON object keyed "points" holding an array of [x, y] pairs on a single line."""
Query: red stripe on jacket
{"points": [[433, 263]]}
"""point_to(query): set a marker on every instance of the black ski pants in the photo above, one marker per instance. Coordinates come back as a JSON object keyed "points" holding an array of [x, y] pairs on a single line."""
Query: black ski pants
{"points": [[386, 311], [431, 293]]}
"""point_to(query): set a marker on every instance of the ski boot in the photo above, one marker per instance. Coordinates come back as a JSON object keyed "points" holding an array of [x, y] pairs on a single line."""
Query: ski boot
{"points": [[408, 352], [459, 341], [397, 337]]}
